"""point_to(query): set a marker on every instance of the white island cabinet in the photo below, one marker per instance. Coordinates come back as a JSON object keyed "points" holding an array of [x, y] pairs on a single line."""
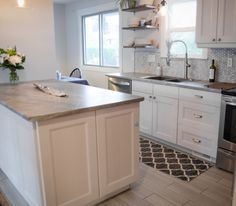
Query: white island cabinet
{"points": [[71, 158]]}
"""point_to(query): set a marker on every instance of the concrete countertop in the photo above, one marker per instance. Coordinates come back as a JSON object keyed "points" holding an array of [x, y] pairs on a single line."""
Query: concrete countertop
{"points": [[34, 105], [198, 85]]}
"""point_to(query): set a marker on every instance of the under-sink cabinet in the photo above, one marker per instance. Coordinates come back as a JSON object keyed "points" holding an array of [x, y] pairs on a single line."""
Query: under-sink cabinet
{"points": [[159, 110], [185, 117]]}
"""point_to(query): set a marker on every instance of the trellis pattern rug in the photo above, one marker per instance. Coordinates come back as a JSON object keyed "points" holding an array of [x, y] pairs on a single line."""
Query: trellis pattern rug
{"points": [[3, 201], [170, 161]]}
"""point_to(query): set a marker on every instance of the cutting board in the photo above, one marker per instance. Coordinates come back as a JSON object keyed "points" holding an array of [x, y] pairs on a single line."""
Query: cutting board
{"points": [[222, 85]]}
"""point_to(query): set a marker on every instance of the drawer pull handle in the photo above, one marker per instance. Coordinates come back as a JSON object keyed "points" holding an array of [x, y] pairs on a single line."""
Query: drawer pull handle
{"points": [[197, 141], [199, 96], [198, 116]]}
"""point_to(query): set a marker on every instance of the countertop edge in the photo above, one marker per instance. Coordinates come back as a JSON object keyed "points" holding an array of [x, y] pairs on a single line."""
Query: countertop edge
{"points": [[72, 112]]}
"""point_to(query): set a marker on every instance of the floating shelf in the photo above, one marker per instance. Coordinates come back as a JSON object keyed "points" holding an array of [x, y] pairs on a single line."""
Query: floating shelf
{"points": [[140, 47], [140, 8], [147, 27]]}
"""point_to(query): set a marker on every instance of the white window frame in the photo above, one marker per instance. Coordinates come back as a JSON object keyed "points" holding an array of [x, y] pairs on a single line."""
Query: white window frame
{"points": [[168, 31], [89, 11], [101, 23]]}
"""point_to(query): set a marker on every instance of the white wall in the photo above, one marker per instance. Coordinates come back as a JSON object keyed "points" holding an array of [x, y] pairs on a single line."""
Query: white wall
{"points": [[32, 31], [95, 76], [60, 31]]}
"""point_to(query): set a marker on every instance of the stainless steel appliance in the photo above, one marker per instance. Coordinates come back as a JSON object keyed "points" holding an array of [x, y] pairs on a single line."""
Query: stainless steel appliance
{"points": [[120, 84], [227, 136]]}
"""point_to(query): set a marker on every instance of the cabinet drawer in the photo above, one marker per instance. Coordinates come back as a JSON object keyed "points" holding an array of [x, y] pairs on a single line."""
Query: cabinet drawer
{"points": [[142, 87], [197, 143], [200, 96], [204, 118], [166, 91]]}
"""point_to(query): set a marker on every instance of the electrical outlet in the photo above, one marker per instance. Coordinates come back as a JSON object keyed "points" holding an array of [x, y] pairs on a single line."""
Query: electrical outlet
{"points": [[151, 58], [230, 62]]}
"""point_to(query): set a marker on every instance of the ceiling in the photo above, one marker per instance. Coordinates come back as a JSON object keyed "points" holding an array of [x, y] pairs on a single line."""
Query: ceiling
{"points": [[64, 1]]}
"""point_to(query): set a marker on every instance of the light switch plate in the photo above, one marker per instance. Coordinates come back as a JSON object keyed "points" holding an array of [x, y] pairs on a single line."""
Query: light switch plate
{"points": [[230, 62]]}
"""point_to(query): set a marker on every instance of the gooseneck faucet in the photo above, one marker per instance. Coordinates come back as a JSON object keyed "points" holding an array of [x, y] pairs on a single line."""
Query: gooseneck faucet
{"points": [[168, 58]]}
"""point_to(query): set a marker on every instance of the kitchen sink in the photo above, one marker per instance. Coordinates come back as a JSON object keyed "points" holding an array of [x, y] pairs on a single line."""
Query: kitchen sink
{"points": [[161, 78], [176, 80]]}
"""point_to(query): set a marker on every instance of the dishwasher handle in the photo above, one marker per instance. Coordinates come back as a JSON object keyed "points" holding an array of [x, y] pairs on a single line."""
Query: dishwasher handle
{"points": [[120, 83]]}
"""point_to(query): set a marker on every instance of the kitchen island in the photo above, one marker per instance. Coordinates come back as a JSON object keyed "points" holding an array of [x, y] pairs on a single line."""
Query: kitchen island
{"points": [[70, 151]]}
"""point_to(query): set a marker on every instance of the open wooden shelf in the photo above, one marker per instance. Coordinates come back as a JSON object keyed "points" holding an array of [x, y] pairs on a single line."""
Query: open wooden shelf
{"points": [[141, 47], [147, 27], [140, 8]]}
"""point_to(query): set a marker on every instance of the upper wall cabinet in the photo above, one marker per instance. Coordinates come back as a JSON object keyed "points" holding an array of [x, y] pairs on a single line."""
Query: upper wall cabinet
{"points": [[216, 27]]}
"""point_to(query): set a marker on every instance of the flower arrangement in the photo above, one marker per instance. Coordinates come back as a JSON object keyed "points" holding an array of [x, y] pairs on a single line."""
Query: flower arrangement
{"points": [[12, 60]]}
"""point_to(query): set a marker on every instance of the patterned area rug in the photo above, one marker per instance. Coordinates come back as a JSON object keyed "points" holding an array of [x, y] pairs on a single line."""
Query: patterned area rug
{"points": [[3, 201], [170, 161]]}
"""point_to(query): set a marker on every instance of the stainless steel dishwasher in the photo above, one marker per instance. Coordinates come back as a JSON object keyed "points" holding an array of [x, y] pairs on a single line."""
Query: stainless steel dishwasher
{"points": [[120, 84]]}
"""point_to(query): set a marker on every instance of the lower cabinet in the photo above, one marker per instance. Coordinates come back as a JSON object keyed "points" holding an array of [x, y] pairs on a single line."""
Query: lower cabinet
{"points": [[146, 113], [186, 117], [165, 116], [198, 127], [88, 156], [159, 110], [69, 158], [118, 147]]}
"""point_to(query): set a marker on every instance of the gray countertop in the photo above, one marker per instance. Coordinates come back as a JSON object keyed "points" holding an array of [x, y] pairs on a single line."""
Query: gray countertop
{"points": [[198, 85], [35, 105]]}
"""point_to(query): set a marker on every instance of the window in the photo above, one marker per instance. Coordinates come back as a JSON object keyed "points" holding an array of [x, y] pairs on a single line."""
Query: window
{"points": [[181, 26], [101, 39]]}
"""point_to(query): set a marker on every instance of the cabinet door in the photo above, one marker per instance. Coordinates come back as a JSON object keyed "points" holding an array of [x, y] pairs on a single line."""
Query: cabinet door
{"points": [[118, 147], [165, 112], [69, 160], [145, 111], [226, 21], [206, 27]]}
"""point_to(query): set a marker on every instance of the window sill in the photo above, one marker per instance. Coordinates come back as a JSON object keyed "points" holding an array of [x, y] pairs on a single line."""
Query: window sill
{"points": [[100, 69]]}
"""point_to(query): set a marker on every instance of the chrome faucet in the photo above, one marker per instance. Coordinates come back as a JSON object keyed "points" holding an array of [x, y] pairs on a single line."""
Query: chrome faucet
{"points": [[168, 58]]}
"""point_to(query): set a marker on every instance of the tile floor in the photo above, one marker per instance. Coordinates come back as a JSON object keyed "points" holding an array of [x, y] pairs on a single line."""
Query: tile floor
{"points": [[212, 188]]}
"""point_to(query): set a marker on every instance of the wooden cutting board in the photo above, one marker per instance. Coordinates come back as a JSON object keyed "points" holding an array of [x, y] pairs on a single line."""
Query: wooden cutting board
{"points": [[222, 85]]}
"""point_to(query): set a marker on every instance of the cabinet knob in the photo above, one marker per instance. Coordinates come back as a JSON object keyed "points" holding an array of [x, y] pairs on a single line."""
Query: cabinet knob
{"points": [[219, 39], [154, 97], [214, 39], [150, 97]]}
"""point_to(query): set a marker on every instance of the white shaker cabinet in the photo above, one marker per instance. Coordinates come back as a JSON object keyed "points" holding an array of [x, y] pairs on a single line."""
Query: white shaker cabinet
{"points": [[206, 21], [159, 111], [69, 158], [145, 123], [216, 26], [165, 111], [145, 90], [226, 31], [198, 121], [117, 132]]}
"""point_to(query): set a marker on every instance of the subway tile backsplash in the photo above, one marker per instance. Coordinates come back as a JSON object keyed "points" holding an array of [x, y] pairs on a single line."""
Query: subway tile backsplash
{"points": [[199, 68]]}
